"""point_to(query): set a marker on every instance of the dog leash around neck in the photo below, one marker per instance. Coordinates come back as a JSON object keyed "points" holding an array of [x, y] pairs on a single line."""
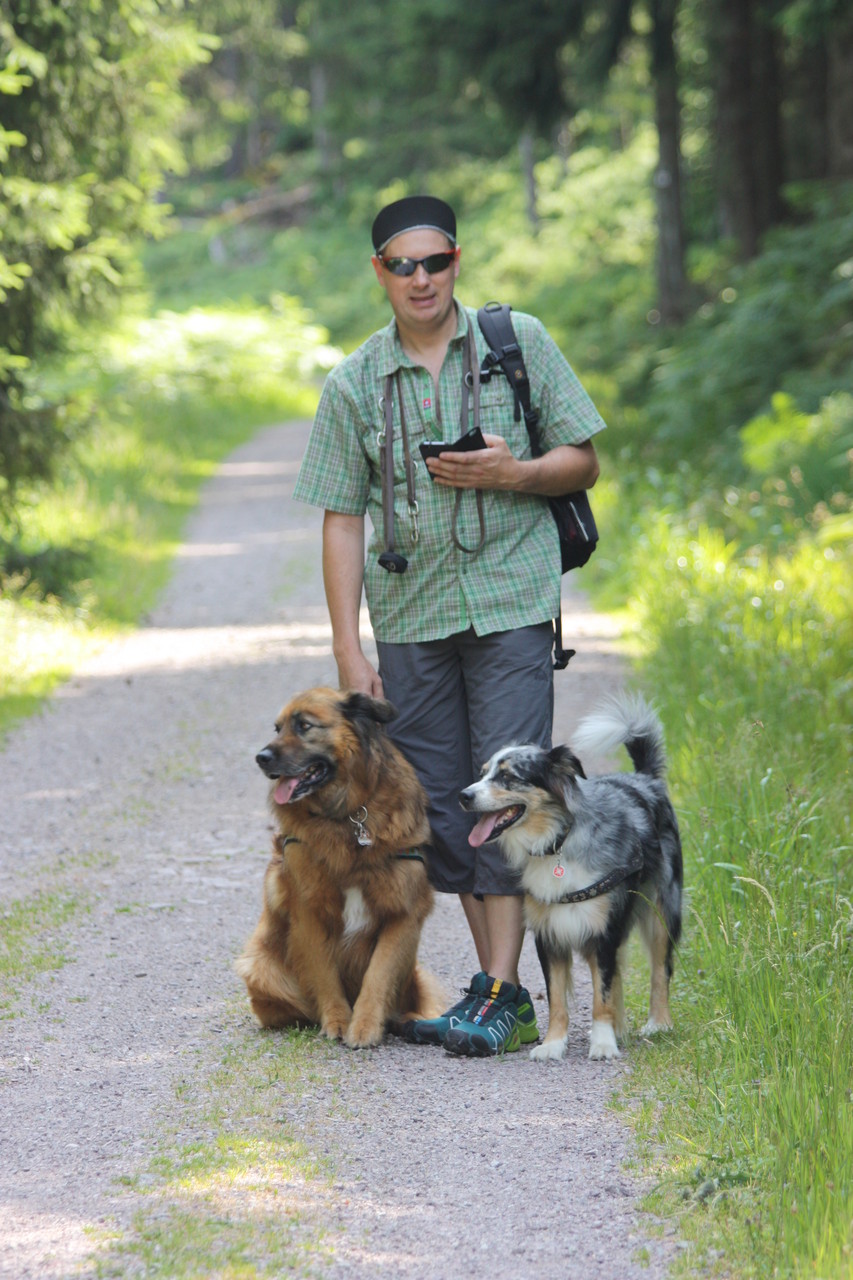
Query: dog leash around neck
{"points": [[602, 886], [391, 559]]}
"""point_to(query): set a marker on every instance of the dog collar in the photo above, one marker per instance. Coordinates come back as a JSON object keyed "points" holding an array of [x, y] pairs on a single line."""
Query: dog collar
{"points": [[410, 857], [602, 886]]}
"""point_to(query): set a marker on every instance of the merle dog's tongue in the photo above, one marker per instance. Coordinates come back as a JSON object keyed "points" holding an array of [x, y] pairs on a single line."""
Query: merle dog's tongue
{"points": [[484, 829], [284, 789]]}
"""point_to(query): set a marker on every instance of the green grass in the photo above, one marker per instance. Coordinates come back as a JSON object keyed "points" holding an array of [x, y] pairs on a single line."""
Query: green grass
{"points": [[747, 1109], [172, 395], [243, 1197], [33, 940]]}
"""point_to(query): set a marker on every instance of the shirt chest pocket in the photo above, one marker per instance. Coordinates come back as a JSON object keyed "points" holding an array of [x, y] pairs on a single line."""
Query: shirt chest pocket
{"points": [[497, 415], [373, 439]]}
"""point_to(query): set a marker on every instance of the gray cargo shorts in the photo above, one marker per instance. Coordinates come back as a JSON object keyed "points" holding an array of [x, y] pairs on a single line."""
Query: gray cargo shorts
{"points": [[458, 700]]}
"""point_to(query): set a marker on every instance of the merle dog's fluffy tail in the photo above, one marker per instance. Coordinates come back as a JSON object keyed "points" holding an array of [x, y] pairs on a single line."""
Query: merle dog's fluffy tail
{"points": [[625, 720]]}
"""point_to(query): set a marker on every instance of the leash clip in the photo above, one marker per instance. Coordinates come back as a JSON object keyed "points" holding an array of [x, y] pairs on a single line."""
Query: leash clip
{"points": [[487, 368]]}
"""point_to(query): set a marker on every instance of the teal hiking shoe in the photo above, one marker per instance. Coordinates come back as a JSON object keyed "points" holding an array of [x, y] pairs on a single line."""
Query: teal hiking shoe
{"points": [[491, 1025], [434, 1030], [528, 1031]]}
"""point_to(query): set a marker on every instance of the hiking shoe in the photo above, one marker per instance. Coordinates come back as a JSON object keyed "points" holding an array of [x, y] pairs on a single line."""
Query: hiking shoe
{"points": [[491, 1025], [434, 1030], [528, 1031]]}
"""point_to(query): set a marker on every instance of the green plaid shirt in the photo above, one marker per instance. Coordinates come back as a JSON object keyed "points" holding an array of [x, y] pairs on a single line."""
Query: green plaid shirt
{"points": [[514, 580]]}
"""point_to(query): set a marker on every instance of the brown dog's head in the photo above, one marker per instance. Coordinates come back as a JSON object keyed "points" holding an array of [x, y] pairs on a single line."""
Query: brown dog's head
{"points": [[325, 738]]}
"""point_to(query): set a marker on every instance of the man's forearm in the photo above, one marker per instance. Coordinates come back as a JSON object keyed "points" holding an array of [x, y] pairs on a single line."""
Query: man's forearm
{"points": [[564, 469], [343, 578]]}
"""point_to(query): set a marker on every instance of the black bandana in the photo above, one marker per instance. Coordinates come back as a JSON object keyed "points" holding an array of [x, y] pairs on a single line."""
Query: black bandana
{"points": [[413, 213]]}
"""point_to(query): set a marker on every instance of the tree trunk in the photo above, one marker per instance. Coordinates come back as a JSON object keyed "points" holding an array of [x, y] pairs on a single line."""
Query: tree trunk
{"points": [[531, 203], [807, 124], [671, 275], [768, 162], [232, 70], [840, 99], [736, 184], [318, 90]]}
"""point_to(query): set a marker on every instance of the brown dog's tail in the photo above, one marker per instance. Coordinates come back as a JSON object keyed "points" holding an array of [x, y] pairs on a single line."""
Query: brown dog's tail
{"points": [[274, 995], [423, 997]]}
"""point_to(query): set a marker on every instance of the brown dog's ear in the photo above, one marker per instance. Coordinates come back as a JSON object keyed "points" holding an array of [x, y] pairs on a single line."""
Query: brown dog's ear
{"points": [[360, 706]]}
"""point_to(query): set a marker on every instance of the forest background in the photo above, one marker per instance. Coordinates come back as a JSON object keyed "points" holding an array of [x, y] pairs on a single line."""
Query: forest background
{"points": [[185, 197]]}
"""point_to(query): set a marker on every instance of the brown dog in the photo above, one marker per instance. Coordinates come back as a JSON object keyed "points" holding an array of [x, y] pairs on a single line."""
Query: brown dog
{"points": [[346, 892]]}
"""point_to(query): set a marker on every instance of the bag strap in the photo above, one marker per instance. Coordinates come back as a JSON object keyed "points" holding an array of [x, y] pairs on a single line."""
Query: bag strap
{"points": [[496, 324], [497, 327]]}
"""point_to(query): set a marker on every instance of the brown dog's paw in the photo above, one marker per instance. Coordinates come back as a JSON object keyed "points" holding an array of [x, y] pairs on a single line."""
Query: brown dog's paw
{"points": [[364, 1031], [335, 1025]]}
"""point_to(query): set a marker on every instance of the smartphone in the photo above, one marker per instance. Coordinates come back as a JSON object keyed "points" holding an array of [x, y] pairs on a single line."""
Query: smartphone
{"points": [[472, 439]]}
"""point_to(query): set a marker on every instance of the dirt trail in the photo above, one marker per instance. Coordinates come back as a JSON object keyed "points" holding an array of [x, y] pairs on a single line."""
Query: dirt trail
{"points": [[135, 790]]}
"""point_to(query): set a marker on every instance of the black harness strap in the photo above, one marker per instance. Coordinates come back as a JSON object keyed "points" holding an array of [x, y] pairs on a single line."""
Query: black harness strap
{"points": [[408, 857]]}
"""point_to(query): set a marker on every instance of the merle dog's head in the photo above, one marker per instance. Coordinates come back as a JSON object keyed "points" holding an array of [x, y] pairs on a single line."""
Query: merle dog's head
{"points": [[523, 798]]}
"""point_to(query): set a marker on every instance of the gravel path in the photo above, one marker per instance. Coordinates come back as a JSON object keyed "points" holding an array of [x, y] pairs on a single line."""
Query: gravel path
{"points": [[135, 791]]}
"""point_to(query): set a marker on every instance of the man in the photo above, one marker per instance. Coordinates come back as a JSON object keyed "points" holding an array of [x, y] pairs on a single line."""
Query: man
{"points": [[464, 631]]}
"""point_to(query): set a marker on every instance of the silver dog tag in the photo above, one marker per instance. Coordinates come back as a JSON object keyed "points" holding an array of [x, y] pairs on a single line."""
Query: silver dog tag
{"points": [[361, 834]]}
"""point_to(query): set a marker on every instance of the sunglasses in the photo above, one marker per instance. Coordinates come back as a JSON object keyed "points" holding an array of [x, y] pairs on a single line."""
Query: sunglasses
{"points": [[432, 264]]}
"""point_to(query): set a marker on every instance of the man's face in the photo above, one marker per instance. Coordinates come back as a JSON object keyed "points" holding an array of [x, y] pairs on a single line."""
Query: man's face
{"points": [[420, 301]]}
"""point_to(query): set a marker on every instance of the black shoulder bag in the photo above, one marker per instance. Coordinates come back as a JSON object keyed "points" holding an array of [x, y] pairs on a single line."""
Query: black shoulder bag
{"points": [[571, 511]]}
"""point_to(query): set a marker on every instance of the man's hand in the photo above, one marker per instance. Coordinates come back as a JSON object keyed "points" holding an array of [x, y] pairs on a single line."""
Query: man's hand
{"points": [[356, 673], [491, 468], [563, 469]]}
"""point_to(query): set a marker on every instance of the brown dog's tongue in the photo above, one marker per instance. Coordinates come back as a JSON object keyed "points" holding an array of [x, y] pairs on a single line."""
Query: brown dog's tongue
{"points": [[284, 789], [483, 829]]}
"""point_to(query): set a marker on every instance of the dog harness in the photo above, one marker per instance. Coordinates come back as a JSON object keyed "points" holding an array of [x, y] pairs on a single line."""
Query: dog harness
{"points": [[409, 856]]}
